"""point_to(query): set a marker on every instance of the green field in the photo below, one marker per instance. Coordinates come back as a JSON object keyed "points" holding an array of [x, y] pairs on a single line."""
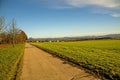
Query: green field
{"points": [[99, 56], [9, 61]]}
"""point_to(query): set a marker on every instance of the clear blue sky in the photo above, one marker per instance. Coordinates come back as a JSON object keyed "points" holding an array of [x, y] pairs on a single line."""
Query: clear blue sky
{"points": [[60, 18]]}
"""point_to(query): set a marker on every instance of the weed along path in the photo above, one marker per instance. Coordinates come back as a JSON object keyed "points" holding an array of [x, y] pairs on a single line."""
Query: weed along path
{"points": [[40, 65]]}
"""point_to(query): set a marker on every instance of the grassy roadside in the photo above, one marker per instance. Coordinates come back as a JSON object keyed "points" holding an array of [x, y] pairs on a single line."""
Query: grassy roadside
{"points": [[10, 61], [99, 56], [19, 67]]}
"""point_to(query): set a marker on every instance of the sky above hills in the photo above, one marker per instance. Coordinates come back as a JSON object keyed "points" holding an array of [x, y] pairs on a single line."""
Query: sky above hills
{"points": [[61, 18]]}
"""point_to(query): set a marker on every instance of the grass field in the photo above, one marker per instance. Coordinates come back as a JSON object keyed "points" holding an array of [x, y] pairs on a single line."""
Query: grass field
{"points": [[9, 61], [99, 56]]}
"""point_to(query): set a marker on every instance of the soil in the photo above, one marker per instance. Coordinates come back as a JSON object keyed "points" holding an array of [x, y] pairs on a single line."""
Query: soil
{"points": [[4, 45]]}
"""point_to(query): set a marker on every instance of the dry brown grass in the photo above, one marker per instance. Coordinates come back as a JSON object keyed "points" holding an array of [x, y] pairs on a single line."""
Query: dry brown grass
{"points": [[4, 45]]}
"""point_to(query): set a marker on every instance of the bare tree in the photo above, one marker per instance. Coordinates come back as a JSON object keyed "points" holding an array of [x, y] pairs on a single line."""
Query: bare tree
{"points": [[2, 27], [13, 32]]}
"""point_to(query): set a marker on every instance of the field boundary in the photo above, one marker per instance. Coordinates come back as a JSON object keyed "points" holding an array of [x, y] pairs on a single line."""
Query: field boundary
{"points": [[19, 66], [100, 57], [71, 62]]}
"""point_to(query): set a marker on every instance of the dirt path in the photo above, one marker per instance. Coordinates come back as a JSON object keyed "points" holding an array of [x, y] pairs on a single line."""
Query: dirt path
{"points": [[39, 65]]}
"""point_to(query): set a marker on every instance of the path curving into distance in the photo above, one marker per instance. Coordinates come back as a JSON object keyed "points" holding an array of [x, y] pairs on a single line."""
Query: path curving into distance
{"points": [[40, 65]]}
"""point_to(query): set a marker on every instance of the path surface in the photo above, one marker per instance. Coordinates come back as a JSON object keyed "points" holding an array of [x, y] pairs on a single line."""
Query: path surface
{"points": [[40, 65]]}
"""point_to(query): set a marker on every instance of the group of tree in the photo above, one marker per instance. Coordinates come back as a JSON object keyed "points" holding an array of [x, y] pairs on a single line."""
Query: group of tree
{"points": [[10, 33]]}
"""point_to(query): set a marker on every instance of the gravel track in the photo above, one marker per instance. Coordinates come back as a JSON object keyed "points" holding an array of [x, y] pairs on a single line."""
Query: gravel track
{"points": [[40, 65]]}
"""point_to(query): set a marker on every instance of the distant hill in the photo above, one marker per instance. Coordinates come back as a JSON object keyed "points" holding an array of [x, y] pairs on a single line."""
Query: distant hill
{"points": [[109, 36], [112, 35]]}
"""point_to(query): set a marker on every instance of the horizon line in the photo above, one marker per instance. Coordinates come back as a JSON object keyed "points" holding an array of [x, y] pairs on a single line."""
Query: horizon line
{"points": [[78, 36]]}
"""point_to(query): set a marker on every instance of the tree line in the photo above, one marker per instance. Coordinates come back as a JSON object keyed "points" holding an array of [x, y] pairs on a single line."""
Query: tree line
{"points": [[10, 33]]}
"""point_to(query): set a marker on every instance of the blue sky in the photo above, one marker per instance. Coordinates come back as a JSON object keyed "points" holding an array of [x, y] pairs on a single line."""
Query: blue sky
{"points": [[61, 18]]}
